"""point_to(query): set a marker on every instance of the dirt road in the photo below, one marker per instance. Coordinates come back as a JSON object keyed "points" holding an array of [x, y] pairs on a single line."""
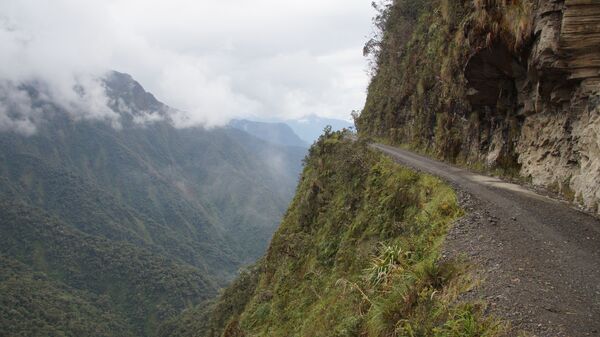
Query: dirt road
{"points": [[539, 257]]}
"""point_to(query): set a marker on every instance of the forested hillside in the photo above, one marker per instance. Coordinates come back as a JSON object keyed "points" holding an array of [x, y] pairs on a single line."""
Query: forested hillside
{"points": [[139, 286], [504, 86], [357, 254], [118, 217], [32, 303], [135, 222]]}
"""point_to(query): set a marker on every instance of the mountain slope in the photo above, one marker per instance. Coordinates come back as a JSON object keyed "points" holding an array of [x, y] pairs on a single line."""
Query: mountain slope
{"points": [[35, 305], [141, 286], [147, 217], [357, 254]]}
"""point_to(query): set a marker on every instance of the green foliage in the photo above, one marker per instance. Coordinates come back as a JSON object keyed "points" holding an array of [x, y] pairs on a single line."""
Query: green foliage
{"points": [[418, 95], [391, 260], [210, 319], [197, 194], [509, 20], [31, 304], [356, 255], [139, 285], [151, 220]]}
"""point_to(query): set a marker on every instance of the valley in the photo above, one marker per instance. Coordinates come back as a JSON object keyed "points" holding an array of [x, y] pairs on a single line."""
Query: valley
{"points": [[139, 222], [445, 183]]}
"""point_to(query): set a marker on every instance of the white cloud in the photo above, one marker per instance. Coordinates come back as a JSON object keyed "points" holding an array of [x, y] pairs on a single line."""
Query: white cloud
{"points": [[87, 100], [215, 60], [16, 111]]}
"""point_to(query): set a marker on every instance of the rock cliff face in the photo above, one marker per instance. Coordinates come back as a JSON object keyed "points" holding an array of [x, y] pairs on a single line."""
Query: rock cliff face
{"points": [[559, 143], [514, 85]]}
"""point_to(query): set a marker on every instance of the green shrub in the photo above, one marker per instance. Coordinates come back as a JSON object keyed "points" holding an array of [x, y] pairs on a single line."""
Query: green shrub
{"points": [[366, 263]]}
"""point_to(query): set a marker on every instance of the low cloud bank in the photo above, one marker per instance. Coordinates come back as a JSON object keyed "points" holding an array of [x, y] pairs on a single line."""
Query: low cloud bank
{"points": [[211, 60]]}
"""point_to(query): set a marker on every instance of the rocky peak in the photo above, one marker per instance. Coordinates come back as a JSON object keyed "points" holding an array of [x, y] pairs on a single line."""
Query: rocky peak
{"points": [[131, 100]]}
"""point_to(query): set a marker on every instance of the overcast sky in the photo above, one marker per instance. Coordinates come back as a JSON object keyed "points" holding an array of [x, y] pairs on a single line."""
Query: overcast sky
{"points": [[215, 59]]}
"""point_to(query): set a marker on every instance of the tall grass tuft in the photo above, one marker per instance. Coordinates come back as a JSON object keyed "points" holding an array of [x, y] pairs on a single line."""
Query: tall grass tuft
{"points": [[508, 20]]}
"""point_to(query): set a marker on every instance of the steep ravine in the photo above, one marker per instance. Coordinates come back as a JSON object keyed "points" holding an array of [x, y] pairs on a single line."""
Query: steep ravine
{"points": [[358, 253], [108, 231], [506, 85], [370, 248]]}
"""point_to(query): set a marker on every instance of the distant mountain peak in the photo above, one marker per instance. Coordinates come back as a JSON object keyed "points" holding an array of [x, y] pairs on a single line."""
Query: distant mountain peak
{"points": [[277, 132], [129, 98], [310, 127]]}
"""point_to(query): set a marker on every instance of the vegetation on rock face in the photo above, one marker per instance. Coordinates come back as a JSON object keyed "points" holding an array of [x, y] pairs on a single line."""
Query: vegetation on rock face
{"points": [[357, 254], [505, 86], [419, 95]]}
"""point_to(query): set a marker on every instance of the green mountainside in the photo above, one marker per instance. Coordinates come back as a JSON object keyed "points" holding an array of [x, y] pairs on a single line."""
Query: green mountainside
{"points": [[142, 287], [31, 304], [507, 86], [357, 254], [132, 231], [119, 229]]}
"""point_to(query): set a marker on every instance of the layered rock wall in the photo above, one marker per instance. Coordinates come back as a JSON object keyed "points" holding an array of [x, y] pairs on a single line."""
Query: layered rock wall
{"points": [[509, 84], [560, 137]]}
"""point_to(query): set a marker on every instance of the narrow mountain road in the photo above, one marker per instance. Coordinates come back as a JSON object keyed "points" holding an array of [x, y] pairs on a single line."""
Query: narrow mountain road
{"points": [[538, 257]]}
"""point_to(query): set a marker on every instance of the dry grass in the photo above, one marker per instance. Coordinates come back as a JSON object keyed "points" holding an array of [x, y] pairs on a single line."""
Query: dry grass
{"points": [[509, 20]]}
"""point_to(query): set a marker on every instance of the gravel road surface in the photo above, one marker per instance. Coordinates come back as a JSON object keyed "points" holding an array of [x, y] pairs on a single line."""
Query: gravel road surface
{"points": [[539, 258]]}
